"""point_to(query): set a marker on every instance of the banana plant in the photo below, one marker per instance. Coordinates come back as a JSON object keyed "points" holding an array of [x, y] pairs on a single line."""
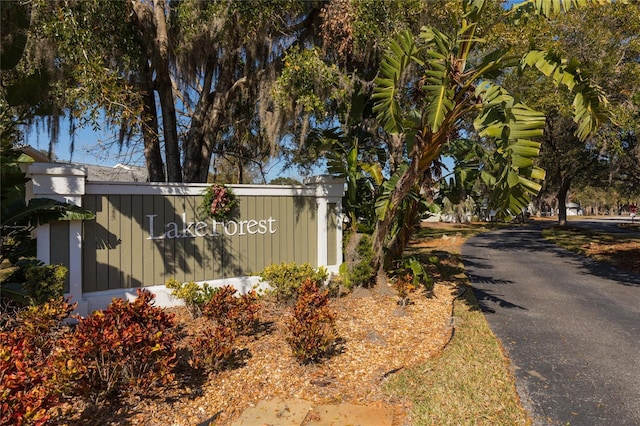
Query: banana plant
{"points": [[426, 87], [362, 178]]}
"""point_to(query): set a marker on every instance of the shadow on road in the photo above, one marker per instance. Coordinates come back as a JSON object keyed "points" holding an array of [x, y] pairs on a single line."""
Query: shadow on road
{"points": [[529, 238], [484, 297]]}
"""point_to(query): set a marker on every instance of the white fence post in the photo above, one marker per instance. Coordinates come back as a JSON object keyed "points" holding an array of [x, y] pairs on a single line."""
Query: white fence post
{"points": [[61, 182], [329, 190]]}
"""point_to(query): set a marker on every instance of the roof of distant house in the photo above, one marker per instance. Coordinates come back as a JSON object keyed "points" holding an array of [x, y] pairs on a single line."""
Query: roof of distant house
{"points": [[117, 173]]}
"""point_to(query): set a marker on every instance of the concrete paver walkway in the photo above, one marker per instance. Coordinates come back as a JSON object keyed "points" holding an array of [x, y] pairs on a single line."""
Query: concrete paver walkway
{"points": [[293, 412]]}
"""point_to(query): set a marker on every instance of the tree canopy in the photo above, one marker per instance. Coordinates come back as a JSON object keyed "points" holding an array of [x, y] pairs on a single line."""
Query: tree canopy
{"points": [[201, 84], [611, 60], [457, 78], [191, 81]]}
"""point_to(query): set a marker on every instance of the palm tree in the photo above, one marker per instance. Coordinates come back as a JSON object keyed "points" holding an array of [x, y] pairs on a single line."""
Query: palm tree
{"points": [[428, 85]]}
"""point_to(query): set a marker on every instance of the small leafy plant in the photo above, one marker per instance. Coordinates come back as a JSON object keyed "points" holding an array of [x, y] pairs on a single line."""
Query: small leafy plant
{"points": [[192, 294], [213, 348], [240, 313], [285, 278], [404, 286], [358, 270], [414, 268], [231, 314], [127, 347], [312, 326]]}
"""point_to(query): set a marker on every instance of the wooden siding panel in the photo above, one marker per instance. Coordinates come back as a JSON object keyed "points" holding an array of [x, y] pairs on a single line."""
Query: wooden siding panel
{"points": [[183, 247], [271, 209], [115, 242], [305, 230], [168, 260], [271, 255], [89, 247], [149, 246], [216, 253], [232, 248], [261, 241], [287, 226], [137, 240], [159, 244], [102, 243], [216, 250], [126, 250], [312, 232], [198, 263], [249, 241]]}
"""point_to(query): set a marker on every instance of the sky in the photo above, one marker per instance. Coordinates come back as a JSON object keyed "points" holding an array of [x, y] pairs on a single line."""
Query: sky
{"points": [[99, 147]]}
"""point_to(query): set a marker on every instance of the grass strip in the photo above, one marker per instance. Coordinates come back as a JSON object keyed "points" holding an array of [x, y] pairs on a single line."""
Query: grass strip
{"points": [[620, 250], [470, 382]]}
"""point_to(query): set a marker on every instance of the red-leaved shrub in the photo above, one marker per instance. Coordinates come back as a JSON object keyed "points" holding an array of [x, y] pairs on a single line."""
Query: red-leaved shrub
{"points": [[31, 375], [212, 348], [237, 312], [312, 327], [129, 346]]}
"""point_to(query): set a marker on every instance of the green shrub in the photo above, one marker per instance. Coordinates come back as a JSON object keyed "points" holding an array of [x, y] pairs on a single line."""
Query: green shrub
{"points": [[37, 283], [412, 267], [127, 347], [358, 270], [192, 294], [239, 313], [32, 376], [285, 279], [312, 330]]}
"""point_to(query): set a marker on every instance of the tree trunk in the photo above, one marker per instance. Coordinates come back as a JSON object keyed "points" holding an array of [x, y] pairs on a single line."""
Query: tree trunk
{"points": [[426, 149], [152, 153], [151, 22], [200, 146], [382, 257], [197, 131], [203, 131], [562, 201], [395, 247], [165, 93]]}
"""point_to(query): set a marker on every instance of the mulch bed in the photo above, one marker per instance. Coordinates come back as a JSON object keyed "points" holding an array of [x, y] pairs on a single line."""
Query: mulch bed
{"points": [[378, 338]]}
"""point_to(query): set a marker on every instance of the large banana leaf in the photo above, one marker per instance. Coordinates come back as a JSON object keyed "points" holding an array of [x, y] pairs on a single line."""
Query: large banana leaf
{"points": [[590, 105], [553, 7], [42, 210], [439, 99], [19, 219], [387, 90], [510, 171]]}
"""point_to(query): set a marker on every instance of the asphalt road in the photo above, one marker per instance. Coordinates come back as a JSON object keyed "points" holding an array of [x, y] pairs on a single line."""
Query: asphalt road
{"points": [[603, 223], [570, 326]]}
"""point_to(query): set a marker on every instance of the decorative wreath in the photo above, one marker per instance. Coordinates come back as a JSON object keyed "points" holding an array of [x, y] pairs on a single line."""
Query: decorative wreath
{"points": [[218, 202]]}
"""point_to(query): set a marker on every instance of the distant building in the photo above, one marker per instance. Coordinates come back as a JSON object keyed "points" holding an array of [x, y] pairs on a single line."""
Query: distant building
{"points": [[117, 173], [574, 209], [95, 173]]}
